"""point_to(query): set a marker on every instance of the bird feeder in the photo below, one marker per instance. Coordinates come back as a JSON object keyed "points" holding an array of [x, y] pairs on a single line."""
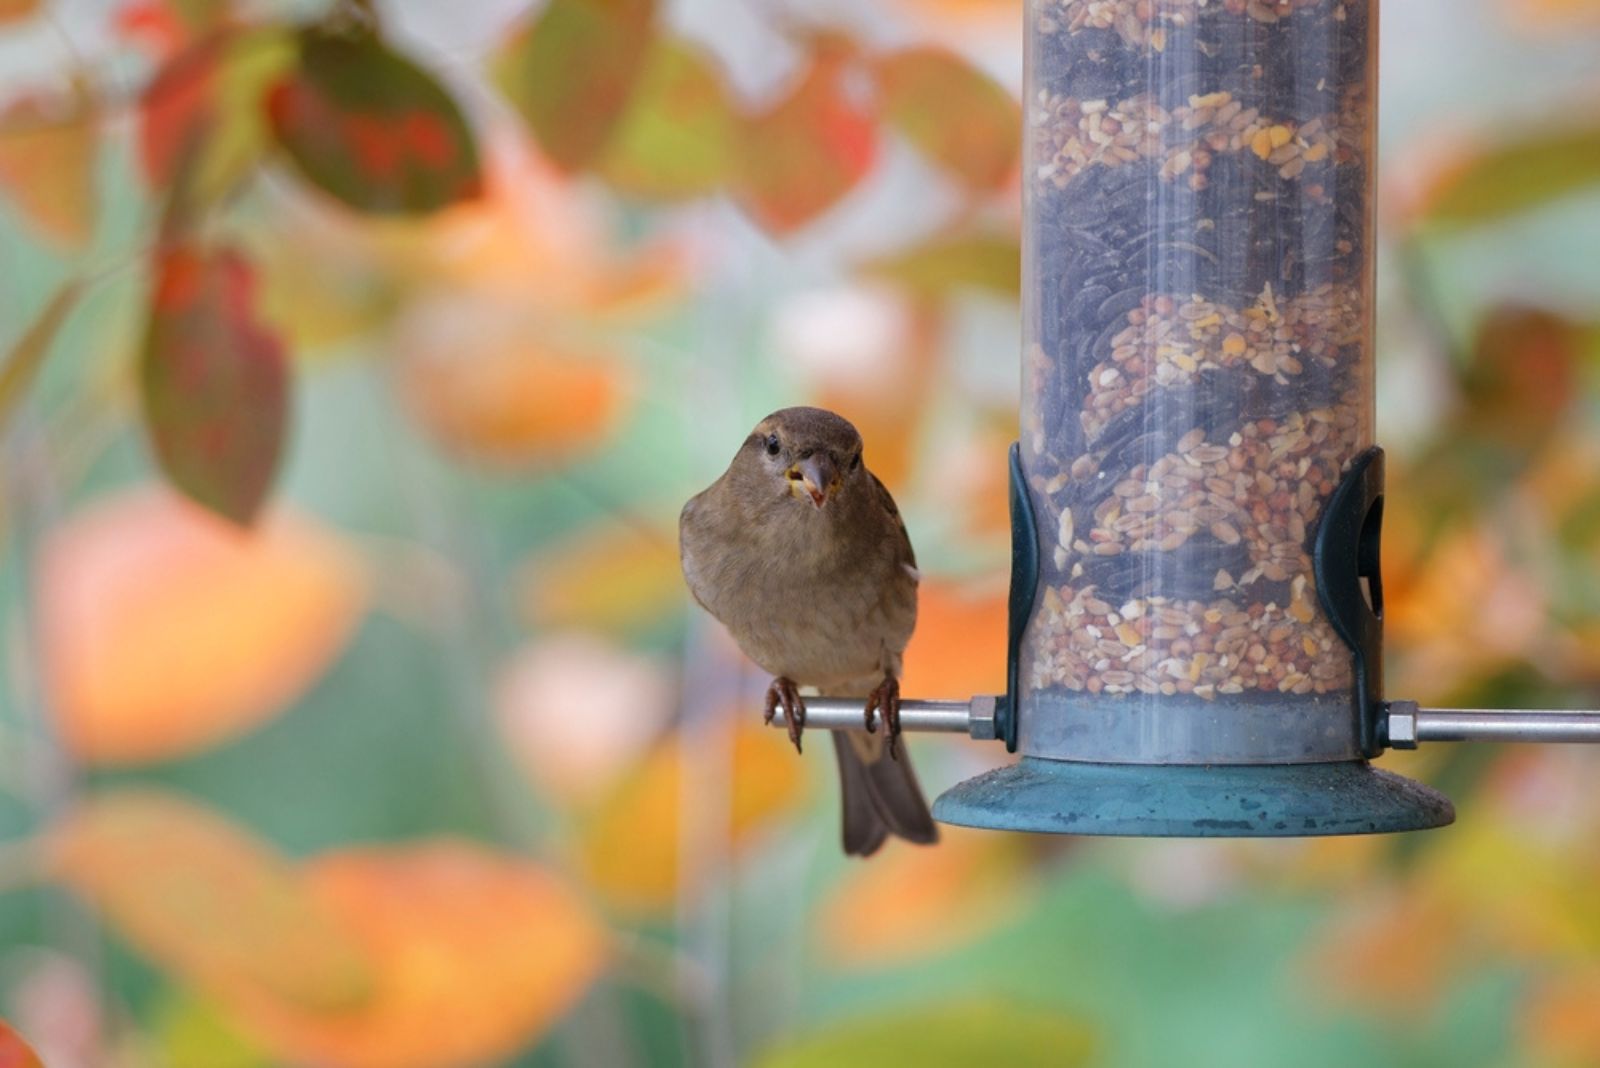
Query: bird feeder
{"points": [[1196, 602]]}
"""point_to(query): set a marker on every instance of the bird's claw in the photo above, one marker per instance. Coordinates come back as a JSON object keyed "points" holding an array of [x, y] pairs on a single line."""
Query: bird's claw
{"points": [[784, 691], [886, 701]]}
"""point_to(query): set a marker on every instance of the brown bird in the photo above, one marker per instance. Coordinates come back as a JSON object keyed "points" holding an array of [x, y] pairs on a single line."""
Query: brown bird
{"points": [[800, 551]]}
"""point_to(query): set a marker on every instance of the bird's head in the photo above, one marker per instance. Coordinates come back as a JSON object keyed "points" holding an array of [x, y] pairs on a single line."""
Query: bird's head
{"points": [[809, 454]]}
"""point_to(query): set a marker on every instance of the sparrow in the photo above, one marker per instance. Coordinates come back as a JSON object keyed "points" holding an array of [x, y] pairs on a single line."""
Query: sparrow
{"points": [[800, 552]]}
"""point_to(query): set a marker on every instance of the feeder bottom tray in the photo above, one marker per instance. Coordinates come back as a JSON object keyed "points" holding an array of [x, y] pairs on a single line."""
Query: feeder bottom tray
{"points": [[1194, 801]]}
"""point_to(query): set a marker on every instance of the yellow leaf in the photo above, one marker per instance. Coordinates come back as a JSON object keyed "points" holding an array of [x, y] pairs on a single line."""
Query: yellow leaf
{"points": [[208, 901], [167, 630], [48, 152], [632, 843], [619, 579]]}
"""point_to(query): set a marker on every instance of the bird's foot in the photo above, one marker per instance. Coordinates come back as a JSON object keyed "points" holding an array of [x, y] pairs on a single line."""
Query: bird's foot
{"points": [[784, 691], [886, 701]]}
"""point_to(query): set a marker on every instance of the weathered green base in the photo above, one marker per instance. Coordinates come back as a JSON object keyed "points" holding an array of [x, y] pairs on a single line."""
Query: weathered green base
{"points": [[1193, 801]]}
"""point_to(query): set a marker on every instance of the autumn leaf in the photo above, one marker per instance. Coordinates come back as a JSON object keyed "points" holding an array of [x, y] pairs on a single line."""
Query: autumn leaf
{"points": [[210, 902], [215, 382], [613, 580], [953, 113], [49, 148], [372, 129], [959, 647], [677, 138], [910, 903], [16, 11], [972, 1031], [632, 843], [1491, 182], [800, 157], [29, 351], [166, 631], [14, 1052], [202, 112], [489, 388], [572, 74], [944, 265], [476, 954]]}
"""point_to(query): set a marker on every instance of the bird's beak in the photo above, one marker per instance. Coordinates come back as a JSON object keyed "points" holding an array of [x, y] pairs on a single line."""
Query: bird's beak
{"points": [[817, 476]]}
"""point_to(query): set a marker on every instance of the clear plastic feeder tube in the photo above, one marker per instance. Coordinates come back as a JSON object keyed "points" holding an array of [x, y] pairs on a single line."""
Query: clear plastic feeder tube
{"points": [[1198, 371]]}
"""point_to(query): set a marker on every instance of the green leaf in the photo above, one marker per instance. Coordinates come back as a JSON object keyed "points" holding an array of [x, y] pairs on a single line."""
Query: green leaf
{"points": [[955, 1035], [28, 354], [677, 140], [1505, 179], [572, 74], [945, 264], [215, 382], [802, 156], [373, 129], [954, 114]]}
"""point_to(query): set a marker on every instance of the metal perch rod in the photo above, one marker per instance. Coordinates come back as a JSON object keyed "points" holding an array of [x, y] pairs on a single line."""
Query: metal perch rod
{"points": [[974, 718], [1409, 724]]}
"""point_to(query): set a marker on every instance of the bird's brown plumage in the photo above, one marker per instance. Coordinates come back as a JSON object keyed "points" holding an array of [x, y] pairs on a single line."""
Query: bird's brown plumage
{"points": [[817, 584]]}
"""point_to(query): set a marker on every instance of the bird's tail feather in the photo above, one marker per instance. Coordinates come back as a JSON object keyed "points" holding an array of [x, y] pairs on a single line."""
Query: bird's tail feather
{"points": [[881, 795]]}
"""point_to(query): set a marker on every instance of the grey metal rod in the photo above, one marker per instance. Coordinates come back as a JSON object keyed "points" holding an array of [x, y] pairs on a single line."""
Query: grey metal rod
{"points": [[974, 718], [1411, 725]]}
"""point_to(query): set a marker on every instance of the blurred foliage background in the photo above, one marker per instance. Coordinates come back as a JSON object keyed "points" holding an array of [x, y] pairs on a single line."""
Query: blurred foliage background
{"points": [[357, 359]]}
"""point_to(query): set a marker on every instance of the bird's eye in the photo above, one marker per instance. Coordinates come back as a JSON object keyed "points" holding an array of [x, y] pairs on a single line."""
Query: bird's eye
{"points": [[772, 444], [855, 461]]}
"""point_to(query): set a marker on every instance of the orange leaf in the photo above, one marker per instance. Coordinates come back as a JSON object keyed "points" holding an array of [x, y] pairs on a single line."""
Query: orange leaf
{"points": [[632, 847], [15, 11], [611, 580], [489, 391], [203, 898], [1560, 1022], [48, 150], [959, 647], [953, 113], [1552, 15], [911, 903], [802, 156], [14, 1052], [167, 630], [477, 954]]}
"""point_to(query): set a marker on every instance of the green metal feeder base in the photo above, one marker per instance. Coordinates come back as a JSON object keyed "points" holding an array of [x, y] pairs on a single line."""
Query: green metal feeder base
{"points": [[1194, 801]]}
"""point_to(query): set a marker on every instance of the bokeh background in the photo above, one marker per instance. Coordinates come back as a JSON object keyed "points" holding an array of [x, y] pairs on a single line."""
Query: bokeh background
{"points": [[357, 359]]}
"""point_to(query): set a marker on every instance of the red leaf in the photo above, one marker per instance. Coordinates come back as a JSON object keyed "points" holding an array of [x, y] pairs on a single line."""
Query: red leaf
{"points": [[201, 118], [805, 154], [953, 113], [177, 108], [14, 1052], [215, 382], [372, 129], [572, 74]]}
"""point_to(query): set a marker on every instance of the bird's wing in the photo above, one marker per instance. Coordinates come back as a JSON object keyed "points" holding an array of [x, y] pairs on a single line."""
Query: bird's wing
{"points": [[908, 555]]}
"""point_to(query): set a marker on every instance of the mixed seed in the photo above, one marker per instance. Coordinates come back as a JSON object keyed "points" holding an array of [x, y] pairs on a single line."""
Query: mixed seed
{"points": [[1198, 377]]}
